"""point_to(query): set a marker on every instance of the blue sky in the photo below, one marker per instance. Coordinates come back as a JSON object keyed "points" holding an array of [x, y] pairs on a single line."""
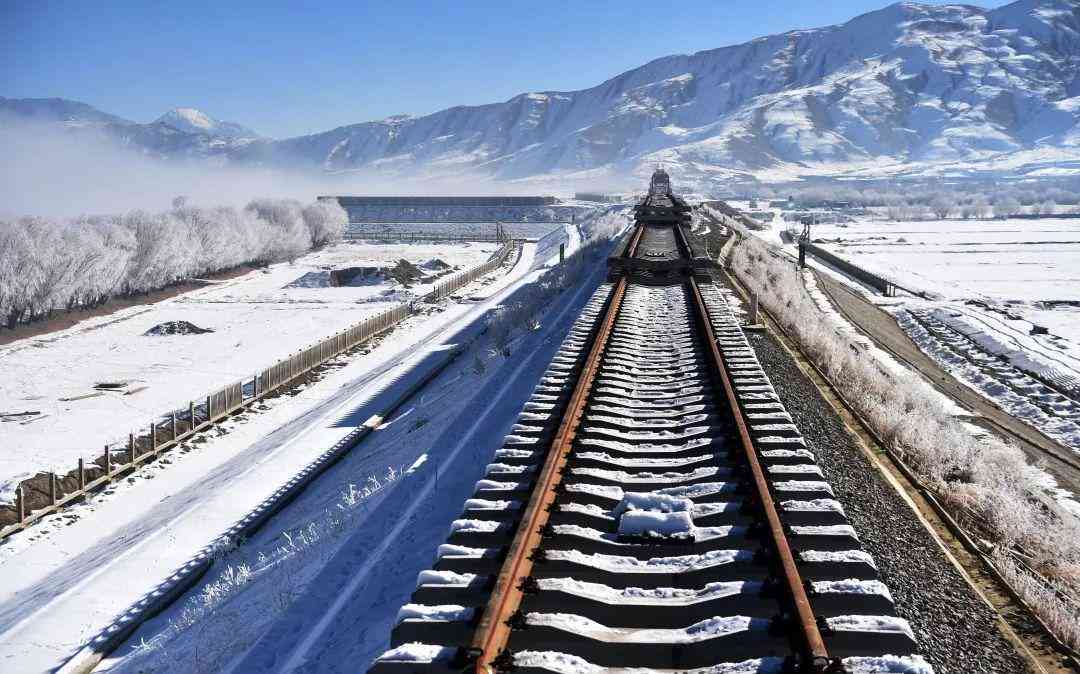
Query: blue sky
{"points": [[285, 69]]}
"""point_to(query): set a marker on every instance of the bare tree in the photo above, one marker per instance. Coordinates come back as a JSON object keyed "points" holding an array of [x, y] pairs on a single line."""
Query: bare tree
{"points": [[941, 206], [1006, 207]]}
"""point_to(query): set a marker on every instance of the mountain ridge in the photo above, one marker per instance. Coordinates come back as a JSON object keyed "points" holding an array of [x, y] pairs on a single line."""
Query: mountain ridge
{"points": [[909, 87]]}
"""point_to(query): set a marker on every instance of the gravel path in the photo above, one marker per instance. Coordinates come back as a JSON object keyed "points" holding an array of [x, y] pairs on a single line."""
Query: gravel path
{"points": [[955, 629]]}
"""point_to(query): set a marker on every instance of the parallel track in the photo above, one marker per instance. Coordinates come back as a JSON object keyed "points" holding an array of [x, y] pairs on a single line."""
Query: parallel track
{"points": [[655, 507]]}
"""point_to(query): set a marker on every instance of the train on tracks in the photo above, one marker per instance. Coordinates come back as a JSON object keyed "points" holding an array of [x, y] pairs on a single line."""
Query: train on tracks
{"points": [[654, 507]]}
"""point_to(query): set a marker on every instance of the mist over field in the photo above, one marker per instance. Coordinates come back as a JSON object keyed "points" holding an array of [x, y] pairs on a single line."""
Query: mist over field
{"points": [[57, 171]]}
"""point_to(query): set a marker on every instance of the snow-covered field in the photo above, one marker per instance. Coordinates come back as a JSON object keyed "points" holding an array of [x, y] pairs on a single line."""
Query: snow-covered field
{"points": [[986, 284], [1022, 265], [256, 319]]}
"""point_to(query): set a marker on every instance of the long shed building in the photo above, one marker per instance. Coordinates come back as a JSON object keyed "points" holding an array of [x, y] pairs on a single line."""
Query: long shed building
{"points": [[387, 209]]}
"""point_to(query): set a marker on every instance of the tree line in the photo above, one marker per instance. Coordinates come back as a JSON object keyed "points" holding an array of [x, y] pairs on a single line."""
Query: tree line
{"points": [[49, 265]]}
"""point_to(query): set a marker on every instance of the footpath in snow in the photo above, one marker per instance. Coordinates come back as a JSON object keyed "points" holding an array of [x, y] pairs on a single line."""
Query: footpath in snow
{"points": [[70, 577]]}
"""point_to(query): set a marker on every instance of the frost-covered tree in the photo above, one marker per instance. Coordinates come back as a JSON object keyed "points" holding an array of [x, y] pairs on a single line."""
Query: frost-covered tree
{"points": [[941, 206], [1006, 207], [289, 236], [48, 265], [325, 221]]}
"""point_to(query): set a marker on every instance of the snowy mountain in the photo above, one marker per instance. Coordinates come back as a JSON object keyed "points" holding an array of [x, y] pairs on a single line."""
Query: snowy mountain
{"points": [[191, 120], [909, 89], [56, 110], [179, 133], [910, 84]]}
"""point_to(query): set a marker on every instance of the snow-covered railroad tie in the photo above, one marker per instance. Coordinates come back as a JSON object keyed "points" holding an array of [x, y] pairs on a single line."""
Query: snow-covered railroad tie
{"points": [[656, 508]]}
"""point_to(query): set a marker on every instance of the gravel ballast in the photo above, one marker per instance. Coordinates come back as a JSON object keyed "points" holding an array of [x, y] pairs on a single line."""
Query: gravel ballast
{"points": [[955, 629]]}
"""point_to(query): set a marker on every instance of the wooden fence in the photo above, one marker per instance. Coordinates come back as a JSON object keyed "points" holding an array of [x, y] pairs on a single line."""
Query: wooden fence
{"points": [[173, 428]]}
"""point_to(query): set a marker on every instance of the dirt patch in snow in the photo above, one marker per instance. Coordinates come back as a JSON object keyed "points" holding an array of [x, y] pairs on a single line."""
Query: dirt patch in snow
{"points": [[169, 328], [435, 264], [405, 272]]}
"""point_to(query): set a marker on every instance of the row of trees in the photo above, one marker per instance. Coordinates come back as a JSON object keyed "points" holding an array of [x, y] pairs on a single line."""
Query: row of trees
{"points": [[924, 201], [48, 265]]}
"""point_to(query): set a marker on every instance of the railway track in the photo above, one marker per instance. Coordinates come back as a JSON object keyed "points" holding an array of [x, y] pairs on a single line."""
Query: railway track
{"points": [[655, 508]]}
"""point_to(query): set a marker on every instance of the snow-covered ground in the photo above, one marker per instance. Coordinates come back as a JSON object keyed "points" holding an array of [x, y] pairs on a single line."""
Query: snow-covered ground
{"points": [[257, 319], [1018, 265], [986, 284], [68, 578]]}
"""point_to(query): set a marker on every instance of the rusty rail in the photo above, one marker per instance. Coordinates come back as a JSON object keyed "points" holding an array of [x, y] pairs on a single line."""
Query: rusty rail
{"points": [[493, 631], [813, 644]]}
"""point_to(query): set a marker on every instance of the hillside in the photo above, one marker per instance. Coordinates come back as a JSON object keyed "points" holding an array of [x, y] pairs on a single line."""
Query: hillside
{"points": [[911, 88]]}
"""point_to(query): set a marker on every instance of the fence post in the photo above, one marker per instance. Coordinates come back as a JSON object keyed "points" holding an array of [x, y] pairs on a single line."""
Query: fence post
{"points": [[191, 414], [153, 437], [209, 408], [52, 489], [753, 308], [82, 474], [174, 426], [131, 448], [20, 504], [108, 461]]}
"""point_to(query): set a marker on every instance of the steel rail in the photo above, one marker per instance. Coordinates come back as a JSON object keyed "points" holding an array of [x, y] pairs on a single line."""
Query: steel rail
{"points": [[817, 654], [493, 630]]}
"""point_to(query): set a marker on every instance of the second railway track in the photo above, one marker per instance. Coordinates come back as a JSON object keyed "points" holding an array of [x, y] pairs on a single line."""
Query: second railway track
{"points": [[653, 508]]}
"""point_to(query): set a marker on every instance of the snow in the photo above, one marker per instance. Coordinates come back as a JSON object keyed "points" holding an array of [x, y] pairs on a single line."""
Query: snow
{"points": [[826, 556], [562, 663], [813, 505], [415, 652], [191, 120], [448, 550], [652, 501], [1012, 264], [802, 485], [256, 320], [90, 564], [661, 596], [825, 530], [852, 586], [442, 613], [699, 631], [473, 526], [643, 476], [679, 564], [868, 623], [656, 524], [887, 664]]}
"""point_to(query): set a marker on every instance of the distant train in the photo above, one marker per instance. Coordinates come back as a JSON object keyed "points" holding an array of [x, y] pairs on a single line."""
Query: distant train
{"points": [[660, 206], [660, 184]]}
